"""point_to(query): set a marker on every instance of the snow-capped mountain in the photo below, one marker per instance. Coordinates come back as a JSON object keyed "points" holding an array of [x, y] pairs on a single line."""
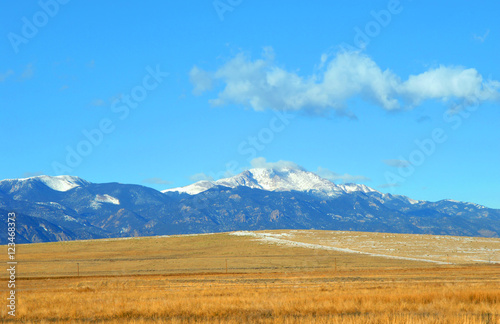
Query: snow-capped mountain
{"points": [[283, 179], [194, 188], [58, 183], [67, 208]]}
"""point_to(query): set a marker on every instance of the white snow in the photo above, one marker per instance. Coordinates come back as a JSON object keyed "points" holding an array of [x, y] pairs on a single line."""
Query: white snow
{"points": [[61, 183], [351, 187], [58, 183], [275, 238], [243, 233], [50, 203], [107, 199], [487, 261], [193, 189], [96, 203], [413, 201], [285, 179], [69, 219]]}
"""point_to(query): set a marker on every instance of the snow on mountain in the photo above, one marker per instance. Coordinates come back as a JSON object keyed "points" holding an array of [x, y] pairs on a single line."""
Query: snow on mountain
{"points": [[99, 199], [62, 183], [193, 189], [463, 202], [384, 197], [279, 180], [107, 199], [115, 210], [283, 179], [58, 183], [351, 187], [413, 201]]}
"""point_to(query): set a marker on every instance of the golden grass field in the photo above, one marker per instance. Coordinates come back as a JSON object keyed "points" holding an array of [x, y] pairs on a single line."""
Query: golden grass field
{"points": [[272, 277]]}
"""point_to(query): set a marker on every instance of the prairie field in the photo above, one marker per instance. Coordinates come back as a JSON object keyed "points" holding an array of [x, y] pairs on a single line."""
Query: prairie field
{"points": [[259, 277]]}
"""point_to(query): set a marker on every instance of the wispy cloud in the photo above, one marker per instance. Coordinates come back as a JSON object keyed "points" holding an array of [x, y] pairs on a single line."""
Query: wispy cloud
{"points": [[263, 84], [389, 185], [4, 76], [397, 163], [200, 177], [28, 72], [345, 178], [423, 119], [159, 181], [261, 162], [202, 80], [483, 37], [98, 102], [32, 174]]}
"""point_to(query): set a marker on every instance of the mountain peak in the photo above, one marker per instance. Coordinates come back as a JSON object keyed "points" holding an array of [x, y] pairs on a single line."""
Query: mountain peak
{"points": [[58, 183], [275, 179], [286, 198]]}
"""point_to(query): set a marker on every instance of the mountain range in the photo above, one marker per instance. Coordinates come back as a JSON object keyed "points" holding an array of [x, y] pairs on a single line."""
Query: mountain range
{"points": [[70, 208]]}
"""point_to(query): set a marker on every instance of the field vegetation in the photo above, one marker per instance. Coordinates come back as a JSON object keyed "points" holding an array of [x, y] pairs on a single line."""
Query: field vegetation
{"points": [[184, 279]]}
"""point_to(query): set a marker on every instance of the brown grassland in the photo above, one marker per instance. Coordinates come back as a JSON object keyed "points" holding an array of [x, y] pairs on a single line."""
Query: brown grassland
{"points": [[183, 279]]}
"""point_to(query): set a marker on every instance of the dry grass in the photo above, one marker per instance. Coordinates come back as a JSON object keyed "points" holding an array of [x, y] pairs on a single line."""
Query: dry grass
{"points": [[183, 280], [433, 295], [453, 249], [184, 254]]}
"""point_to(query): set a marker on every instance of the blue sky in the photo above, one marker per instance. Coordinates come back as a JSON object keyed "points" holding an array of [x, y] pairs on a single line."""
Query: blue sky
{"points": [[402, 96]]}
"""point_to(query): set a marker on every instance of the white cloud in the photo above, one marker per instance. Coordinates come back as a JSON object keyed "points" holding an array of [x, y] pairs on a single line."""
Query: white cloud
{"points": [[4, 76], [263, 84], [397, 163], [261, 162], [482, 38], [200, 177], [445, 83], [28, 72], [98, 102], [202, 80], [423, 119], [345, 178], [156, 181], [32, 174], [389, 185]]}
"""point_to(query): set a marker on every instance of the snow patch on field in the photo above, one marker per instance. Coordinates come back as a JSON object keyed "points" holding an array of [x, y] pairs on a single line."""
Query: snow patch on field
{"points": [[277, 239]]}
